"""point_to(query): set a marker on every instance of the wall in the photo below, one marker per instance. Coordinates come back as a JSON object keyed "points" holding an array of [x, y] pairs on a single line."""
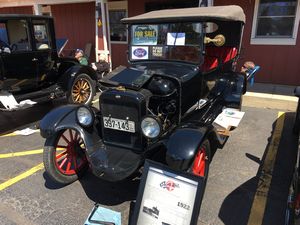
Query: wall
{"points": [[279, 64], [17, 10], [76, 22]]}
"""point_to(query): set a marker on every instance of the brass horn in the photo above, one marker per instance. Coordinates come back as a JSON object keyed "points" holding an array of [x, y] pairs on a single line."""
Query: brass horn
{"points": [[219, 40]]}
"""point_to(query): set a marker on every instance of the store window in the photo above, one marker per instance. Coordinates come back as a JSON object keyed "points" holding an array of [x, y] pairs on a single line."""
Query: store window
{"points": [[275, 22], [118, 31]]}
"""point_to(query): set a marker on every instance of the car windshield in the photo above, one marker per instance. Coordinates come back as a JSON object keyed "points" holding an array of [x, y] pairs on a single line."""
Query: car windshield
{"points": [[172, 41]]}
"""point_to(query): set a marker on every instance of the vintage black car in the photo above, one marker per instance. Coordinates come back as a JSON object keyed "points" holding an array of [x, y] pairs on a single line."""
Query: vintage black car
{"points": [[181, 76], [30, 67]]}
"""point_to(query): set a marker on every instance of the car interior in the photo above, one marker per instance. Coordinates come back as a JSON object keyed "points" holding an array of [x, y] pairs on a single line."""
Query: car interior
{"points": [[18, 35]]}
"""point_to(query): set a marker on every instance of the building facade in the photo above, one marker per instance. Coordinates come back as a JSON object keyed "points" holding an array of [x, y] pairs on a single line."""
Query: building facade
{"points": [[271, 36]]}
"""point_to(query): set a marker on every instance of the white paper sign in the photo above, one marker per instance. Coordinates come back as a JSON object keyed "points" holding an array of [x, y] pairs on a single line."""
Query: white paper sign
{"points": [[167, 199], [229, 117], [139, 52], [176, 39]]}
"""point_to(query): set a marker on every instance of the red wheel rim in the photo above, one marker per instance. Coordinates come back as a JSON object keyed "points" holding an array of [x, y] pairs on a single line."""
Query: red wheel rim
{"points": [[69, 153], [200, 162]]}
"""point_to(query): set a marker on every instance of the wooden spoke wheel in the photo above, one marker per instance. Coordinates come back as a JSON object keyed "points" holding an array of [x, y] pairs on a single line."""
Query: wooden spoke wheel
{"points": [[83, 90], [64, 156]]}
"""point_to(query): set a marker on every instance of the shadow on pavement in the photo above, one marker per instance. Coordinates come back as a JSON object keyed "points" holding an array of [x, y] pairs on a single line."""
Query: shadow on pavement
{"points": [[109, 193], [50, 184], [101, 191], [236, 208]]}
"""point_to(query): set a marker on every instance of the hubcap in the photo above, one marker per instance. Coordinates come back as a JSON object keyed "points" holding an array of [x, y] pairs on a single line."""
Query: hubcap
{"points": [[69, 153], [81, 91], [200, 162]]}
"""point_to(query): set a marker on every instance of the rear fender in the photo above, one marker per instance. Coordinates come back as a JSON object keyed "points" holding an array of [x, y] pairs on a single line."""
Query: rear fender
{"points": [[182, 146], [69, 76], [62, 118]]}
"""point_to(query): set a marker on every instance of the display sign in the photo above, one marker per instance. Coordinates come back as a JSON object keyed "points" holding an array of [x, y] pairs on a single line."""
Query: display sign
{"points": [[144, 34], [228, 118], [157, 51], [177, 39], [139, 52], [167, 196]]}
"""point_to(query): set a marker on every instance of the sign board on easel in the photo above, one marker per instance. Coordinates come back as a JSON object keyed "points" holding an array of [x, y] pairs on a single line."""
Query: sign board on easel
{"points": [[167, 197]]}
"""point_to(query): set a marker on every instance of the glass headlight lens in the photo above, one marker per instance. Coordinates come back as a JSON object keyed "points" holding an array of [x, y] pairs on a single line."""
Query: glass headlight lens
{"points": [[150, 127], [84, 116]]}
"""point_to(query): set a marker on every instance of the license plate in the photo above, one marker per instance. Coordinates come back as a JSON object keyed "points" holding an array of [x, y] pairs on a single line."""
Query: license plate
{"points": [[118, 124]]}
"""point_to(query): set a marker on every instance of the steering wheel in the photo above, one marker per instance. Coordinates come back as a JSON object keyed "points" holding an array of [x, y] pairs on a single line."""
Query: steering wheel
{"points": [[13, 47]]}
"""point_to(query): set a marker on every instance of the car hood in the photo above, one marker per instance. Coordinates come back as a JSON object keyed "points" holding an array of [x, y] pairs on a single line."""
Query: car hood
{"points": [[135, 76]]}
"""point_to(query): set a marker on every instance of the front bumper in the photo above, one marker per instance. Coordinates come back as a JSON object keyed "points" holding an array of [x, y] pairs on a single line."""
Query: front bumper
{"points": [[111, 162]]}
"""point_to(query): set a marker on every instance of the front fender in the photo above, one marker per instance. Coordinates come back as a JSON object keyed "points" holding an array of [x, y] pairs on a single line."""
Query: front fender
{"points": [[62, 118], [182, 146]]}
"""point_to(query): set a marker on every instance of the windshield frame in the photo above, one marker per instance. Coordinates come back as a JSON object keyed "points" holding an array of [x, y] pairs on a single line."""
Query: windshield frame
{"points": [[159, 51]]}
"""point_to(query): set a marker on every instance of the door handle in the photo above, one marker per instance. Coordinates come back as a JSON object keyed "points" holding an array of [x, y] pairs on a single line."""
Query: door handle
{"points": [[34, 60]]}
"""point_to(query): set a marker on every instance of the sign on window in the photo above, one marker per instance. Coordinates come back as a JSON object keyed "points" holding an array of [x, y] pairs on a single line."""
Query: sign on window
{"points": [[145, 34]]}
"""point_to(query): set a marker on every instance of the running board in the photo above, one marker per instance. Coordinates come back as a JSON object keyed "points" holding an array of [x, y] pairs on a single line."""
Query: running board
{"points": [[10, 103], [26, 100]]}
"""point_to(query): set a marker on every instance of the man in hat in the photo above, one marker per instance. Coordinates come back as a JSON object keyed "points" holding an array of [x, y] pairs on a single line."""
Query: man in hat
{"points": [[79, 55]]}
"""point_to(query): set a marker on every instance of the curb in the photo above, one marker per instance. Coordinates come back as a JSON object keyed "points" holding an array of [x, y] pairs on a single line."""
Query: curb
{"points": [[270, 101]]}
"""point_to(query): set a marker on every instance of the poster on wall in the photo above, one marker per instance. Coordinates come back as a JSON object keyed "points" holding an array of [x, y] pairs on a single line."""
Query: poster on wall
{"points": [[144, 34], [139, 52], [167, 197]]}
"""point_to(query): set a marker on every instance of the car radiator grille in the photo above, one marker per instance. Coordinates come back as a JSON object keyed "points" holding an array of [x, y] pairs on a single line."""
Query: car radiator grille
{"points": [[122, 138]]}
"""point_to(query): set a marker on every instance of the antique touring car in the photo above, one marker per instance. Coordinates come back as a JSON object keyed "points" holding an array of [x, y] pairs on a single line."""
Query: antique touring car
{"points": [[162, 107], [30, 67]]}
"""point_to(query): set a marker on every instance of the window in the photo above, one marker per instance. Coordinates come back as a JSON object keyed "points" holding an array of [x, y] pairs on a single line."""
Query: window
{"points": [[18, 35], [173, 41], [118, 31], [275, 22], [41, 35], [3, 37]]}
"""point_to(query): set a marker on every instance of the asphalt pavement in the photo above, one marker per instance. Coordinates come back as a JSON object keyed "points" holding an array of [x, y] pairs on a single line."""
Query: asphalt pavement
{"points": [[253, 169]]}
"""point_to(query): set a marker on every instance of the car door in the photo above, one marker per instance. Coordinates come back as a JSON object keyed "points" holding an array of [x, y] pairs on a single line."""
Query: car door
{"points": [[45, 53], [19, 68]]}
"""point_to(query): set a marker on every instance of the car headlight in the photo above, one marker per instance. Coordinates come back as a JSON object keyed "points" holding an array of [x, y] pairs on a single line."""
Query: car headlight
{"points": [[84, 116], [151, 127]]}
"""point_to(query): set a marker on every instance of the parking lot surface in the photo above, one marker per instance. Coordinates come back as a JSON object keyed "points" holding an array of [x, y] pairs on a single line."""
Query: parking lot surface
{"points": [[248, 179]]}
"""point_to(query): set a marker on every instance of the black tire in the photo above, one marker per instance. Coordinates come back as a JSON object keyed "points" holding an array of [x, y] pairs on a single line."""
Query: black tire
{"points": [[82, 90], [205, 145], [57, 164]]}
